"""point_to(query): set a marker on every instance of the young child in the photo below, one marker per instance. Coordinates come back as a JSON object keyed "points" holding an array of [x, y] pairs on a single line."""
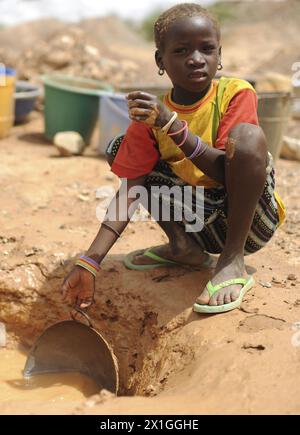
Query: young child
{"points": [[204, 132]]}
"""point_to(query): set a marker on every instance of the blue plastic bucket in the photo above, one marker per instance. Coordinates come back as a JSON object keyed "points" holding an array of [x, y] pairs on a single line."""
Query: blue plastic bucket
{"points": [[114, 119], [26, 95]]}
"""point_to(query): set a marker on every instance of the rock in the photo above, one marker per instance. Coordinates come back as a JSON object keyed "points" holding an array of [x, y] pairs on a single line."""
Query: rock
{"points": [[290, 148], [110, 176], [69, 143], [266, 284], [2, 335], [292, 277], [83, 198], [58, 59]]}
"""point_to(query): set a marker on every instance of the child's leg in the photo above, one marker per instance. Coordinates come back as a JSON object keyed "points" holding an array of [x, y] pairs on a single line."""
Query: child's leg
{"points": [[245, 177], [181, 247]]}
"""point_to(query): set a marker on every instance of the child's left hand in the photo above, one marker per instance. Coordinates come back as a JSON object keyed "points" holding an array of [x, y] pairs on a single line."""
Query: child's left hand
{"points": [[147, 108]]}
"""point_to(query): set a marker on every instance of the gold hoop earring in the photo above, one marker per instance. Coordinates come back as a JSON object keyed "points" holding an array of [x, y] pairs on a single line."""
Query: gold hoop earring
{"points": [[161, 72], [220, 66]]}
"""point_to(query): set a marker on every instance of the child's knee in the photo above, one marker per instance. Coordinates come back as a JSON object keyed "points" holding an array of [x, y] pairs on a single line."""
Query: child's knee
{"points": [[248, 140]]}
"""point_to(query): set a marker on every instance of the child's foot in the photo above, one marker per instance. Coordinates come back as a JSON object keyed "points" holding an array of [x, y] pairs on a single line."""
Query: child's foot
{"points": [[191, 256], [226, 269]]}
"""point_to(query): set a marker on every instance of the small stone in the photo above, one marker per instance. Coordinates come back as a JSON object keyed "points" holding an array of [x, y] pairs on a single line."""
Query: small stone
{"points": [[266, 284], [83, 198], [150, 390], [2, 335], [69, 143], [109, 177], [292, 277], [276, 280]]}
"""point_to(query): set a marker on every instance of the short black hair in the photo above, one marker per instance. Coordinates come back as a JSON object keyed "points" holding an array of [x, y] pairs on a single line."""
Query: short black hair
{"points": [[180, 11]]}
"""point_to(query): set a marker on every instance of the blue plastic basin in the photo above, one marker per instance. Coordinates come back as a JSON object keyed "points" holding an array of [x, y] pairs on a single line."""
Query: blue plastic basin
{"points": [[25, 98]]}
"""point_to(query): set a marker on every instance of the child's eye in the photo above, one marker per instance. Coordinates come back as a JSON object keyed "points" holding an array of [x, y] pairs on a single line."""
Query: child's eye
{"points": [[209, 48], [180, 50]]}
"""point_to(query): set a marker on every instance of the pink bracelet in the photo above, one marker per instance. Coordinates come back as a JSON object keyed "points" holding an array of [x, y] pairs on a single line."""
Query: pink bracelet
{"points": [[179, 131], [186, 132]]}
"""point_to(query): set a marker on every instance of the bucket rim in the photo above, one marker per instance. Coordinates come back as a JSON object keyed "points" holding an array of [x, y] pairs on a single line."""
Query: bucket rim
{"points": [[274, 94], [104, 88], [28, 92], [7, 71]]}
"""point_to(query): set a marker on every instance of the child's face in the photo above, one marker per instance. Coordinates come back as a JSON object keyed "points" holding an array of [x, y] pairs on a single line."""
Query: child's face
{"points": [[191, 53]]}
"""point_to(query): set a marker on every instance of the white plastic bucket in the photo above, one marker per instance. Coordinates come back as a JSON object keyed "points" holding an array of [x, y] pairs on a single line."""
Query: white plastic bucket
{"points": [[114, 119]]}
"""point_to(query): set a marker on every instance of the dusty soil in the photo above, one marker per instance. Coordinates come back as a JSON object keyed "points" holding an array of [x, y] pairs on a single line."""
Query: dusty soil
{"points": [[171, 359]]}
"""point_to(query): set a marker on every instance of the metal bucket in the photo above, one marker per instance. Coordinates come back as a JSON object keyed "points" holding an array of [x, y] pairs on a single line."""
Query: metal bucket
{"points": [[71, 346], [274, 110]]}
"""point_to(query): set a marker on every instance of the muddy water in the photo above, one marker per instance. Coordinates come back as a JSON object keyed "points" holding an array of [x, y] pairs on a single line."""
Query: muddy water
{"points": [[54, 388]]}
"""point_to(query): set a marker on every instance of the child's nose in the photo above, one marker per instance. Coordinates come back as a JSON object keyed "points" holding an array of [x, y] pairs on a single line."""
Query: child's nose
{"points": [[196, 58]]}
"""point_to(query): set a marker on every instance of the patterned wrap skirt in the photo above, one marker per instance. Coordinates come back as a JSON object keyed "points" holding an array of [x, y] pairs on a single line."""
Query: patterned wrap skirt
{"points": [[211, 238]]}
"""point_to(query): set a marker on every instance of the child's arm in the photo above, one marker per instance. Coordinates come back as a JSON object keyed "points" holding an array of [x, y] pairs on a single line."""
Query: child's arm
{"points": [[79, 286], [242, 109], [148, 108]]}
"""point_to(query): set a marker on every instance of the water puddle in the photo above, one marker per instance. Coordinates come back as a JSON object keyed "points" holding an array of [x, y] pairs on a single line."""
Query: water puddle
{"points": [[53, 388]]}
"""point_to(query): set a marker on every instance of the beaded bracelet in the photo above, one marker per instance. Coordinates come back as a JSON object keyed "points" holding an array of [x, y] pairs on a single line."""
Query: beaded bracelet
{"points": [[88, 264], [166, 127]]}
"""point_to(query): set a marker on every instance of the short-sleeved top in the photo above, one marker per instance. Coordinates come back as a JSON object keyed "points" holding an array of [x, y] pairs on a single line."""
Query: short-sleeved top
{"points": [[142, 146]]}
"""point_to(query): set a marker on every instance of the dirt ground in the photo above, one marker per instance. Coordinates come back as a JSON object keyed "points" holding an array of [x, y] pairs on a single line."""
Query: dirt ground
{"points": [[171, 360]]}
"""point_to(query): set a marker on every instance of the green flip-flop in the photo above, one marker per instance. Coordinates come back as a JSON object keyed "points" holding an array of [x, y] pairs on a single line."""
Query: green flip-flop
{"points": [[161, 262], [247, 283]]}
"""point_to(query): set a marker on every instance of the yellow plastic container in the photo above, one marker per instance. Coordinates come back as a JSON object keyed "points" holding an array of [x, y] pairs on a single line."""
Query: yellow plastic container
{"points": [[7, 101]]}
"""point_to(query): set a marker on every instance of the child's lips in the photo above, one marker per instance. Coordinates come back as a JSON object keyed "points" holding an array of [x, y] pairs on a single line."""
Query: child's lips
{"points": [[197, 75]]}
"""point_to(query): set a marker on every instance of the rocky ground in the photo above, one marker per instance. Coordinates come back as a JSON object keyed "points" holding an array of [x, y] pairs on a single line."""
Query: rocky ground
{"points": [[171, 360]]}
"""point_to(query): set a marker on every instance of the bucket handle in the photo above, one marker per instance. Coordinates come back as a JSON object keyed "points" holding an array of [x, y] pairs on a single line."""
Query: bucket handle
{"points": [[83, 314]]}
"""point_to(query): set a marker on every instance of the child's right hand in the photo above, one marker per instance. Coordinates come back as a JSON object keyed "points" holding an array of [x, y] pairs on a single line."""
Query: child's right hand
{"points": [[78, 288], [147, 108]]}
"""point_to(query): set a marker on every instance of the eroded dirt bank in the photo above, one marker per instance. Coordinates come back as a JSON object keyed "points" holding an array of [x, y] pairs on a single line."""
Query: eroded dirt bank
{"points": [[243, 361]]}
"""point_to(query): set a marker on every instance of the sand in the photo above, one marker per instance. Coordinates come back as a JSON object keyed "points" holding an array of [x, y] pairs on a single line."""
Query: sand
{"points": [[171, 360]]}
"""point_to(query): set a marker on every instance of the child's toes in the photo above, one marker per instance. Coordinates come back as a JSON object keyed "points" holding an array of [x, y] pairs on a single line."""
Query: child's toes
{"points": [[227, 298], [203, 299], [220, 298], [213, 300], [234, 295]]}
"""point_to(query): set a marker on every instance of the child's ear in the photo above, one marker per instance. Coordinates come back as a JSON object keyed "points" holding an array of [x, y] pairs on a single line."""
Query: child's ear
{"points": [[158, 59], [220, 52]]}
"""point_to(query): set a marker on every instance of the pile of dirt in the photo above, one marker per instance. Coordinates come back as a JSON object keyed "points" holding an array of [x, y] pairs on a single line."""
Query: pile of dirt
{"points": [[103, 49], [258, 38], [261, 37]]}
